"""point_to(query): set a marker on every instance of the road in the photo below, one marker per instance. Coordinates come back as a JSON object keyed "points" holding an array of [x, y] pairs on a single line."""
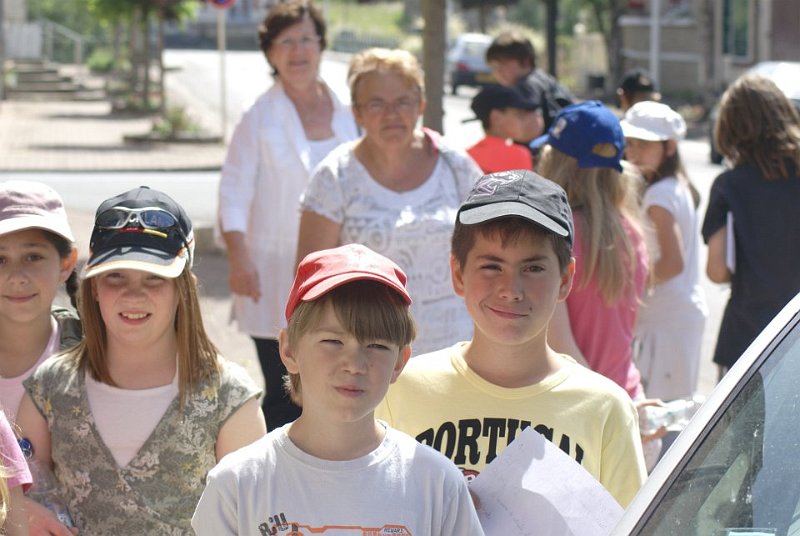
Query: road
{"points": [[195, 77]]}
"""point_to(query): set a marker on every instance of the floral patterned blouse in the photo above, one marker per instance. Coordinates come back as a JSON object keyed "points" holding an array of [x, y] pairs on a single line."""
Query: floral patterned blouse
{"points": [[156, 493]]}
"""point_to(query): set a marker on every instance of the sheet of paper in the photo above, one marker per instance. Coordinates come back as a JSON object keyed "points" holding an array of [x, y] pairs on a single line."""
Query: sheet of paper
{"points": [[730, 244], [533, 488]]}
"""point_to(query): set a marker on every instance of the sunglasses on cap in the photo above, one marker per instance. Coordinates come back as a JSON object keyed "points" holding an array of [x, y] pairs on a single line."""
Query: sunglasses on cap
{"points": [[149, 220]]}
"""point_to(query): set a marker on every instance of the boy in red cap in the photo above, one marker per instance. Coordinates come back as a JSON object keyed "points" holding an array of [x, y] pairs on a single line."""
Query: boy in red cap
{"points": [[336, 467]]}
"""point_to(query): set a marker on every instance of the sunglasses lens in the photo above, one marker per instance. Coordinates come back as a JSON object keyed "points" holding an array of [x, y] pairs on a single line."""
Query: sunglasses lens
{"points": [[157, 219], [112, 219]]}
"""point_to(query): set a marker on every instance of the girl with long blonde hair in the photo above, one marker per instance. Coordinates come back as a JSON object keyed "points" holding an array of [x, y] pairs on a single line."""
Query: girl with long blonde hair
{"points": [[135, 416], [582, 152]]}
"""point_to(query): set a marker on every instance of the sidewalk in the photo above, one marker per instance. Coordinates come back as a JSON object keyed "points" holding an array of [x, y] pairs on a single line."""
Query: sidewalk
{"points": [[85, 136]]}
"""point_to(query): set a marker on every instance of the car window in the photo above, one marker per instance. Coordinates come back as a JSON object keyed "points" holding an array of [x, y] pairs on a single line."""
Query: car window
{"points": [[475, 50], [744, 477]]}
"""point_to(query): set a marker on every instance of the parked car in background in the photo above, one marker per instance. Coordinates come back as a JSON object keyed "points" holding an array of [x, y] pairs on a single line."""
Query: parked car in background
{"points": [[735, 469], [466, 61], [785, 74]]}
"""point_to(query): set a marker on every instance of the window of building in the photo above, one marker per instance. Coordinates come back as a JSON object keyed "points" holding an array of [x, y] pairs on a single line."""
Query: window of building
{"points": [[736, 28]]}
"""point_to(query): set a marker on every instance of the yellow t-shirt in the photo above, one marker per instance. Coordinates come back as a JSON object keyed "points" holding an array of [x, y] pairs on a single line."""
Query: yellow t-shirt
{"points": [[441, 402]]}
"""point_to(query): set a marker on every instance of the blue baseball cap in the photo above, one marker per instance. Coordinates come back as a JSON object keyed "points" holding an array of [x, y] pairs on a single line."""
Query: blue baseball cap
{"points": [[589, 132]]}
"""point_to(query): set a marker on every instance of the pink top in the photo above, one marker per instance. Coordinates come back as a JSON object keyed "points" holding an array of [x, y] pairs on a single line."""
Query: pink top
{"points": [[11, 457], [604, 333]]}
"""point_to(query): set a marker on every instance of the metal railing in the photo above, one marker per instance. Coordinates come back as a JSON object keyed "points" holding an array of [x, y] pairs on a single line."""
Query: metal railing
{"points": [[52, 31]]}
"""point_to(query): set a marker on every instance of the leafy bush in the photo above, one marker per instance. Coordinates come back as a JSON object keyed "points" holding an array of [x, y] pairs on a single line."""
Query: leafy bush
{"points": [[101, 60], [175, 122]]}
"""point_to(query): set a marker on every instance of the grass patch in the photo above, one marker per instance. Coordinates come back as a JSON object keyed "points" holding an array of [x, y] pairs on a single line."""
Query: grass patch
{"points": [[381, 18]]}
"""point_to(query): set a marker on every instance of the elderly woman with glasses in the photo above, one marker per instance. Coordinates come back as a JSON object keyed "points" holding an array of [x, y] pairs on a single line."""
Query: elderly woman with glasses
{"points": [[274, 148], [396, 190]]}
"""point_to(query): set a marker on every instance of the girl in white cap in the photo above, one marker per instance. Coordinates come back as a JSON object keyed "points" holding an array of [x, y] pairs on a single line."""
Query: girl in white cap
{"points": [[133, 418], [37, 256], [669, 330]]}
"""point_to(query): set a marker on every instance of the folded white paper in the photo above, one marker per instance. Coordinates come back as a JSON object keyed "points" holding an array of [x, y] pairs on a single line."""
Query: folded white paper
{"points": [[533, 488]]}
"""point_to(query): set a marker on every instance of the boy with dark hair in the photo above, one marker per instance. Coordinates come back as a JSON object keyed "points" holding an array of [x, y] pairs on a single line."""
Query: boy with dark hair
{"points": [[636, 86], [512, 263], [512, 58], [505, 116], [337, 469]]}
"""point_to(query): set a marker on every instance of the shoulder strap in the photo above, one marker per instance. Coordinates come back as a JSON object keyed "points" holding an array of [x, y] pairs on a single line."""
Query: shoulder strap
{"points": [[447, 155], [70, 326]]}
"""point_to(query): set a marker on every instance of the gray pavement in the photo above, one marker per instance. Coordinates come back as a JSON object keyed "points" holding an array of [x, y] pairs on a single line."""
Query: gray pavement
{"points": [[86, 136]]}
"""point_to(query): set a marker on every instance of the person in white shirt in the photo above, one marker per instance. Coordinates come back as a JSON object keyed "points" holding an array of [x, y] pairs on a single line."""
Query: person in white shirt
{"points": [[336, 469], [274, 148]]}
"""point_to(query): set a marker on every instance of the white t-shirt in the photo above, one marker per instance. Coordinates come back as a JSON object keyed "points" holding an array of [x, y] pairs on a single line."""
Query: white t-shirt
{"points": [[413, 228], [673, 196], [126, 418], [273, 487], [11, 389]]}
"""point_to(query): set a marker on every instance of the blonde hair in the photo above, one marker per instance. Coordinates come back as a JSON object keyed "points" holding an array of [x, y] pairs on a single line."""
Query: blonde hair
{"points": [[4, 495], [758, 125], [604, 196], [384, 60], [197, 355], [368, 310]]}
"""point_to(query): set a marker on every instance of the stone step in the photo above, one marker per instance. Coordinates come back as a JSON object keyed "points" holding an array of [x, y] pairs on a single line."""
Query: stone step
{"points": [[44, 76], [81, 94], [59, 86]]}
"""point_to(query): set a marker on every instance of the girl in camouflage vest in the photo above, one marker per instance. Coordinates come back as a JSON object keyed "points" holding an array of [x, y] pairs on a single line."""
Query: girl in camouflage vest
{"points": [[135, 416]]}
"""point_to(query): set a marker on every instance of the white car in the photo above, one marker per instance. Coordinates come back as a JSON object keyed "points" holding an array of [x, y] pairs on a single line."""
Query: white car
{"points": [[466, 61], [735, 469]]}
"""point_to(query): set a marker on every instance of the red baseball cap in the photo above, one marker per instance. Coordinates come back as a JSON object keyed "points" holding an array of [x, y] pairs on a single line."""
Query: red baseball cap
{"points": [[322, 271]]}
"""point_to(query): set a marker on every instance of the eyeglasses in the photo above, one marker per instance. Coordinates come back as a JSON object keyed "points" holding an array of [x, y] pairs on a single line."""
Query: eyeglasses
{"points": [[380, 106], [305, 42], [147, 218]]}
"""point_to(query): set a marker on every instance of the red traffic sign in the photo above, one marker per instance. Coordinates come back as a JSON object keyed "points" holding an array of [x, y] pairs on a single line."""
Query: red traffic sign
{"points": [[222, 4]]}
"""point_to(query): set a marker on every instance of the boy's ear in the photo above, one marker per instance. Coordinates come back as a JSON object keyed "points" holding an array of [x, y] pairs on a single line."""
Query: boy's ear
{"points": [[457, 276], [287, 355], [566, 280], [68, 264], [402, 359]]}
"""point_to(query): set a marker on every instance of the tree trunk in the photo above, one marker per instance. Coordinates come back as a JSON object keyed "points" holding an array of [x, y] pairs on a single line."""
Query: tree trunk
{"points": [[162, 94], [434, 13], [133, 51], [145, 28], [615, 59]]}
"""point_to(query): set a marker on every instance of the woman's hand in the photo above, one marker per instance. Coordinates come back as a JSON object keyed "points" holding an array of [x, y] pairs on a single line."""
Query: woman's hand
{"points": [[43, 522], [242, 273], [243, 277]]}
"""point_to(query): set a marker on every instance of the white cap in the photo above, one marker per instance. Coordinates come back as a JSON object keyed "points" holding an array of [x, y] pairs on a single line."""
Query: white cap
{"points": [[653, 121], [32, 205]]}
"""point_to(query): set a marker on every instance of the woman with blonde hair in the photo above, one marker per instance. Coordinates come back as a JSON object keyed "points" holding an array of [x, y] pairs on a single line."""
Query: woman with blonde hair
{"points": [[596, 324], [396, 190], [752, 223]]}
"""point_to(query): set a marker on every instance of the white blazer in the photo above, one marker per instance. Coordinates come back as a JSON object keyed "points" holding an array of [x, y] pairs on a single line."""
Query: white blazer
{"points": [[264, 174]]}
